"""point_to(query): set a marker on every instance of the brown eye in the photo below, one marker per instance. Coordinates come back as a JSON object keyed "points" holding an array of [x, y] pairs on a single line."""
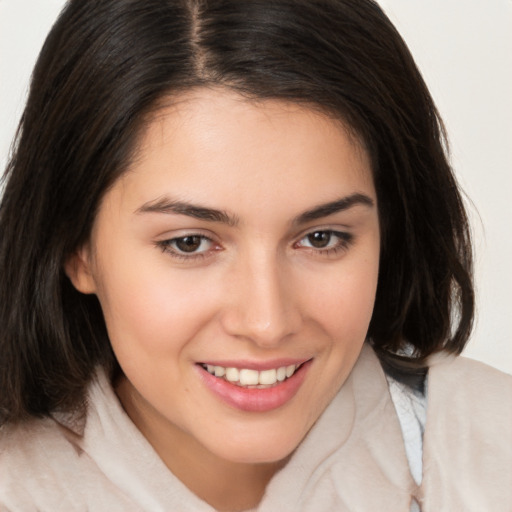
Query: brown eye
{"points": [[188, 243], [319, 239], [326, 242], [188, 247]]}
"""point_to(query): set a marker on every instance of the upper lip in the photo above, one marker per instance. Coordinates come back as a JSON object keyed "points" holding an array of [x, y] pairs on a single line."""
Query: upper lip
{"points": [[255, 365]]}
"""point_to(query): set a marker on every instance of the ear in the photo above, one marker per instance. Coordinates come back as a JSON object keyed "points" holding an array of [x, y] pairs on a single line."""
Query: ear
{"points": [[78, 268]]}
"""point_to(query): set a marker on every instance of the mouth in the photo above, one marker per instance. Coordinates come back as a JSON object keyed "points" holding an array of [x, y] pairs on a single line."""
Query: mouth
{"points": [[254, 389], [250, 378]]}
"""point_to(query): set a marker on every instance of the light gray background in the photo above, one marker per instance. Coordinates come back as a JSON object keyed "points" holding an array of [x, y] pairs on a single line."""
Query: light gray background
{"points": [[463, 48]]}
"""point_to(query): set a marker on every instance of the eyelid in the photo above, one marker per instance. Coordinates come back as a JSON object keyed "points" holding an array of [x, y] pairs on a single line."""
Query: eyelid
{"points": [[165, 244], [341, 229], [345, 240], [184, 232]]}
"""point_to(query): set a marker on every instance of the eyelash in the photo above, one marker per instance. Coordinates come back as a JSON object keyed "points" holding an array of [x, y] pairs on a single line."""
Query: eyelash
{"points": [[167, 247], [345, 240]]}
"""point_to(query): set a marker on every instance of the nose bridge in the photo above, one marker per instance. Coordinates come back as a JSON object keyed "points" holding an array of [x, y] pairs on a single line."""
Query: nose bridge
{"points": [[261, 307]]}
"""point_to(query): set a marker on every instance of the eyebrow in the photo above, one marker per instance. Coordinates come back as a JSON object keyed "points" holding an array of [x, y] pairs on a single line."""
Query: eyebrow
{"points": [[166, 205], [326, 209], [169, 206]]}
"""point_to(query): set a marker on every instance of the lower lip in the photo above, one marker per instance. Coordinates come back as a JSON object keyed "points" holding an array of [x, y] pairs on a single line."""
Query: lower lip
{"points": [[254, 399]]}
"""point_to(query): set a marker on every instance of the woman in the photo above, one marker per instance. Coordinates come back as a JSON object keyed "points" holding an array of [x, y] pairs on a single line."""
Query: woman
{"points": [[217, 214]]}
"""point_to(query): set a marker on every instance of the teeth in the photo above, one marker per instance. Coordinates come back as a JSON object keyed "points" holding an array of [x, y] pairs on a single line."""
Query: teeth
{"points": [[219, 371], [268, 377], [232, 374], [249, 377], [290, 370], [246, 377]]}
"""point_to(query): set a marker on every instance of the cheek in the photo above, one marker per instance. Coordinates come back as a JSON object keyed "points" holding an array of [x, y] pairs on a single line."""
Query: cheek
{"points": [[342, 304], [345, 299], [151, 309]]}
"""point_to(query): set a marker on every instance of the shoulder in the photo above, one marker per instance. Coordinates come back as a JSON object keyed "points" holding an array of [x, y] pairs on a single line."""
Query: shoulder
{"points": [[33, 439], [33, 457], [476, 384], [66, 463], [470, 393], [467, 449]]}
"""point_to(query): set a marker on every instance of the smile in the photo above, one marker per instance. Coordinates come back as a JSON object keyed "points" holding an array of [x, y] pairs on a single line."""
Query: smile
{"points": [[252, 389], [246, 377]]}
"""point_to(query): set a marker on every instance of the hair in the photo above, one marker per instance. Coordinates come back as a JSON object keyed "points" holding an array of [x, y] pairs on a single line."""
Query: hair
{"points": [[105, 67]]}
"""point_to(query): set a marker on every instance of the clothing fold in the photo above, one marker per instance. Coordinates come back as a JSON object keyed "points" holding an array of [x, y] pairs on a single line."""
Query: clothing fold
{"points": [[352, 460]]}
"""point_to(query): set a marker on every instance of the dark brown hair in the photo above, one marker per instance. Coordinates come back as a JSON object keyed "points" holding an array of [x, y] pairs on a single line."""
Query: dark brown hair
{"points": [[106, 64]]}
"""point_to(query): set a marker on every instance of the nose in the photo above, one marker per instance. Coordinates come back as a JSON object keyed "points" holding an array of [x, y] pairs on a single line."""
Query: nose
{"points": [[262, 305]]}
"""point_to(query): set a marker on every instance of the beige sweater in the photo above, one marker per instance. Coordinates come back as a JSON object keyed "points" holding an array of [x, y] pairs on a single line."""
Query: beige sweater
{"points": [[353, 459]]}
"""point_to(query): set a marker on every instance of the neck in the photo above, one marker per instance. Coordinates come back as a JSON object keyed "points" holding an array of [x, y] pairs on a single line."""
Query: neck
{"points": [[225, 485]]}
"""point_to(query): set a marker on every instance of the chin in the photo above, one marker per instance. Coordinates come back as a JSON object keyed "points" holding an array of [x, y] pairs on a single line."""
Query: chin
{"points": [[258, 449]]}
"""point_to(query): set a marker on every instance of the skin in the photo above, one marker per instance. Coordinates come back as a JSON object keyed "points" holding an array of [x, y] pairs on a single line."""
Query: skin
{"points": [[255, 289]]}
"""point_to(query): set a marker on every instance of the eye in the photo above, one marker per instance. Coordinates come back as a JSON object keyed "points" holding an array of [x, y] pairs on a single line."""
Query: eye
{"points": [[319, 239], [326, 241], [189, 246]]}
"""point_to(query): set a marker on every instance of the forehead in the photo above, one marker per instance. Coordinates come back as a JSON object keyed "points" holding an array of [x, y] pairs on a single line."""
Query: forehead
{"points": [[197, 142]]}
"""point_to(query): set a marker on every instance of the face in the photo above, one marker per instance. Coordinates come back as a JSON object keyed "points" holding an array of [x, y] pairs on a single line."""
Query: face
{"points": [[236, 264]]}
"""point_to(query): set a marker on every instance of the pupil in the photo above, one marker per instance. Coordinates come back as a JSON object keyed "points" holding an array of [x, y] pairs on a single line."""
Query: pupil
{"points": [[188, 243], [319, 239]]}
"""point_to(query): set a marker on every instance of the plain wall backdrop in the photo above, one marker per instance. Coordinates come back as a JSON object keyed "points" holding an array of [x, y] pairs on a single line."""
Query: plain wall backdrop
{"points": [[463, 49]]}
